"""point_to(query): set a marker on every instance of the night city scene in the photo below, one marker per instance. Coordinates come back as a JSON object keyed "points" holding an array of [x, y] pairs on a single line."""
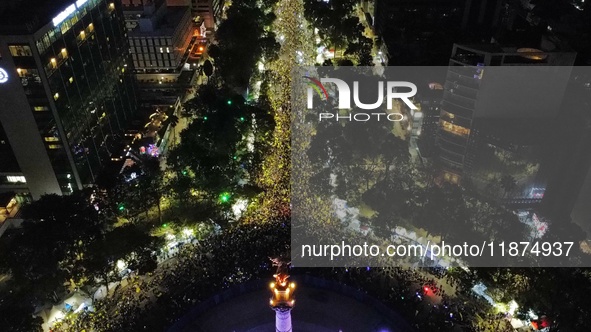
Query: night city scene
{"points": [[295, 165]]}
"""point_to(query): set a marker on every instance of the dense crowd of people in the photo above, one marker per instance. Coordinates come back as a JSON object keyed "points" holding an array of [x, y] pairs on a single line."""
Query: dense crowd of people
{"points": [[154, 301], [199, 270], [417, 294], [241, 253]]}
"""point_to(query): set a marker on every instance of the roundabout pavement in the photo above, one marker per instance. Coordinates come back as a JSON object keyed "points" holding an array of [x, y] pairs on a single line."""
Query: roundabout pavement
{"points": [[316, 310]]}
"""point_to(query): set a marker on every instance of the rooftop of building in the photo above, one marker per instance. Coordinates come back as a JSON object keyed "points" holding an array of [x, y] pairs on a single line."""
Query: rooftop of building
{"points": [[27, 16], [166, 26]]}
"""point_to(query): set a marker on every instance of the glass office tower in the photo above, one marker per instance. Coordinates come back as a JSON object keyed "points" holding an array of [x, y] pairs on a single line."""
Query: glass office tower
{"points": [[68, 92]]}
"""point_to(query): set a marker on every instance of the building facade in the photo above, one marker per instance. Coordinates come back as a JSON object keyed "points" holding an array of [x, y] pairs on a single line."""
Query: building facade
{"points": [[430, 101], [159, 37], [208, 11], [498, 119], [68, 91]]}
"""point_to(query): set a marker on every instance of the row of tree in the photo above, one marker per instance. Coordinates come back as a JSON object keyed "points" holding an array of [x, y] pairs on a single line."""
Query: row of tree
{"points": [[561, 295], [372, 166], [242, 39], [222, 148], [339, 26], [66, 243]]}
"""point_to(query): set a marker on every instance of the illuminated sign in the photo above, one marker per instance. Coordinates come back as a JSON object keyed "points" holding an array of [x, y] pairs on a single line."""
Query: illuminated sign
{"points": [[3, 76], [63, 15], [67, 12]]}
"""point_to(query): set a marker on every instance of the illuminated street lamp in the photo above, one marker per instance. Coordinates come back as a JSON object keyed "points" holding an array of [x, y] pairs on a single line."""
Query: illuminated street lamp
{"points": [[225, 197]]}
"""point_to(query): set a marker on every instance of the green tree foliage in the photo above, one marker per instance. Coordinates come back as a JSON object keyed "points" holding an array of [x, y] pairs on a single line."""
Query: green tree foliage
{"points": [[241, 41], [338, 24], [140, 187], [128, 243], [55, 236], [215, 151], [558, 293], [208, 68], [16, 314], [361, 48], [508, 183], [335, 20]]}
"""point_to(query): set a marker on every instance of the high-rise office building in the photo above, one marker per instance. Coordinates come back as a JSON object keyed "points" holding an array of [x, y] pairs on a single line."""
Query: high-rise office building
{"points": [[568, 190], [67, 92], [430, 102], [499, 116], [472, 98]]}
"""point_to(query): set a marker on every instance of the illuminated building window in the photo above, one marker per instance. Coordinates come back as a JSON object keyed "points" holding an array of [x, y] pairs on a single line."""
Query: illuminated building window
{"points": [[161, 50], [28, 76], [455, 129], [447, 115], [56, 96], [71, 80], [16, 178], [40, 108], [167, 50], [20, 50], [64, 53], [51, 139], [54, 146]]}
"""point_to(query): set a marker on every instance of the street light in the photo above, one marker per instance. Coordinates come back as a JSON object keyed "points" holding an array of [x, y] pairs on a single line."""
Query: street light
{"points": [[225, 197]]}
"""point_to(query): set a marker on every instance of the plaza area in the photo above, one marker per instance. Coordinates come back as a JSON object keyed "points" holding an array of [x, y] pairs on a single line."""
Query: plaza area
{"points": [[316, 310]]}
